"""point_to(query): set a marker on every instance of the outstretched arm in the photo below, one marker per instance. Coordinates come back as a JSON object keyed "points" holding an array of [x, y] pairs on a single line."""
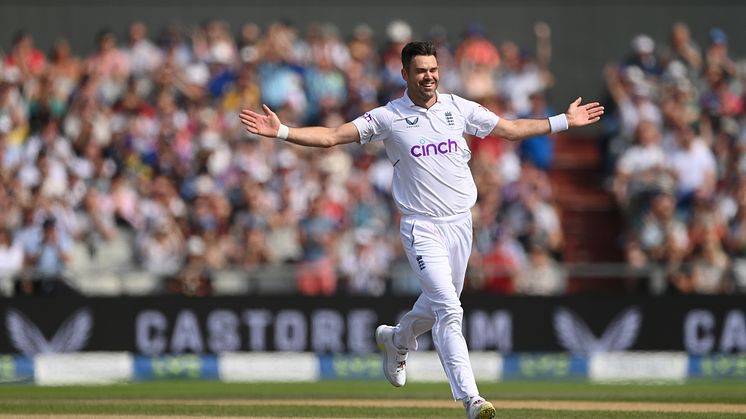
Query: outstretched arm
{"points": [[577, 116], [269, 125]]}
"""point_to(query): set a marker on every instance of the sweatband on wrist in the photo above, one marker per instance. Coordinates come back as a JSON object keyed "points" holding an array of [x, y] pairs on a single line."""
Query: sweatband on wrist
{"points": [[558, 123], [282, 133]]}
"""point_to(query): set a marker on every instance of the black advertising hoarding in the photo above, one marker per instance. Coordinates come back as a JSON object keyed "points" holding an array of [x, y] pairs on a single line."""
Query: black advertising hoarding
{"points": [[174, 325]]}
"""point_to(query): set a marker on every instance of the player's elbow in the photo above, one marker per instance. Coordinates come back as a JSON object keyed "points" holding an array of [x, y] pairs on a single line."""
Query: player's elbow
{"points": [[328, 141], [508, 130], [334, 136], [513, 136]]}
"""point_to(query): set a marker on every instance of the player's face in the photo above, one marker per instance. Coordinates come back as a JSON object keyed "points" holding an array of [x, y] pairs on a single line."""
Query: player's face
{"points": [[422, 77]]}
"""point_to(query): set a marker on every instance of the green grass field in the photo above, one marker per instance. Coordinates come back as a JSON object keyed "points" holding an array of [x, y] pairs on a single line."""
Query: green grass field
{"points": [[350, 399]]}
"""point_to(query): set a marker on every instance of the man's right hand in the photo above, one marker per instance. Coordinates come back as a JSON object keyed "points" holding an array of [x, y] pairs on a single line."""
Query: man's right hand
{"points": [[266, 125]]}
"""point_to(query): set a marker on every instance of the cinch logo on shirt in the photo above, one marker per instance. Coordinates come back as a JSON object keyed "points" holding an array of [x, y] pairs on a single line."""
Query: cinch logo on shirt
{"points": [[424, 149]]}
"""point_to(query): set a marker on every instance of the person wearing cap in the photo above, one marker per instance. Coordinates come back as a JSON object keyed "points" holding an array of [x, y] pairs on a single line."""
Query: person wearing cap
{"points": [[643, 56], [717, 53]]}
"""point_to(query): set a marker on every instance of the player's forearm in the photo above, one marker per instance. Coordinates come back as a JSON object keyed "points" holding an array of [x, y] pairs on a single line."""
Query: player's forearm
{"points": [[312, 136], [321, 136], [520, 129]]}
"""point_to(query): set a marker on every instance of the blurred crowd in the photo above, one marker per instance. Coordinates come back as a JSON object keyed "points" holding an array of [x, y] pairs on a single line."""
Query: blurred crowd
{"points": [[676, 153], [132, 157]]}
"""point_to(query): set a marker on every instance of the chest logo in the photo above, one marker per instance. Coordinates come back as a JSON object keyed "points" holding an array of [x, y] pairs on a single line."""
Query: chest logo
{"points": [[449, 119], [412, 120]]}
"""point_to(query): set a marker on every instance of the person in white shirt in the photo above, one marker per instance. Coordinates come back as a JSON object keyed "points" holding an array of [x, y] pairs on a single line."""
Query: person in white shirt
{"points": [[423, 133], [11, 261], [693, 163], [641, 170]]}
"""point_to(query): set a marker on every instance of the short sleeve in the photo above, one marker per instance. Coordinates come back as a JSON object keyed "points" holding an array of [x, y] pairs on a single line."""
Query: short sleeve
{"points": [[479, 121], [374, 125]]}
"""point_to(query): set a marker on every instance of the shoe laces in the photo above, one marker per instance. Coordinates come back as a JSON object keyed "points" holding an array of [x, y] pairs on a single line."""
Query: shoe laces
{"points": [[474, 401], [401, 354]]}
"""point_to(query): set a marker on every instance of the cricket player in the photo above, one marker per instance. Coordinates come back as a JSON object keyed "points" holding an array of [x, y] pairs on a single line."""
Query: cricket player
{"points": [[423, 134]]}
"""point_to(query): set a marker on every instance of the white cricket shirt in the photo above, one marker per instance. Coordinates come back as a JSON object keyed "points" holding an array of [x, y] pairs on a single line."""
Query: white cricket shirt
{"points": [[428, 151]]}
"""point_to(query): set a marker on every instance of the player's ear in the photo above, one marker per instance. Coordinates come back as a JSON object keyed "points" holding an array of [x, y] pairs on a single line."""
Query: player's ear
{"points": [[404, 74]]}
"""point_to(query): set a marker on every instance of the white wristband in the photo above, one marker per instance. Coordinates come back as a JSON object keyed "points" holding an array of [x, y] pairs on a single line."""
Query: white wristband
{"points": [[558, 123], [282, 133]]}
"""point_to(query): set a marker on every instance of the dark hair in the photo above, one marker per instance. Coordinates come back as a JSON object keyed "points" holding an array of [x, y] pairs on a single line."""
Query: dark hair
{"points": [[103, 33], [20, 36], [414, 49]]}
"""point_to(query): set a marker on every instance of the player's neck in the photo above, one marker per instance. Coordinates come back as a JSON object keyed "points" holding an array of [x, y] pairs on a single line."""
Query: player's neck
{"points": [[421, 102]]}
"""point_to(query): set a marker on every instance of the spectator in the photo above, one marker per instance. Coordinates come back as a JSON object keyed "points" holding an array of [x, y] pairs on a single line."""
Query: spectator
{"points": [[641, 170], [65, 69], [538, 150], [502, 263], [478, 60], [717, 54], [24, 62], [248, 43], [110, 65], [143, 56], [194, 279], [11, 261], [398, 33], [325, 87], [14, 123], [710, 266], [521, 75], [693, 164], [661, 237], [541, 275], [162, 250], [245, 92], [316, 274], [683, 49], [643, 57], [632, 94], [48, 260], [97, 218], [365, 266], [718, 102], [281, 85], [535, 220], [45, 102]]}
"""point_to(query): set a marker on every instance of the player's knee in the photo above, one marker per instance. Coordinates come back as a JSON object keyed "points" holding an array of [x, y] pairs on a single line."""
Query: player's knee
{"points": [[449, 317]]}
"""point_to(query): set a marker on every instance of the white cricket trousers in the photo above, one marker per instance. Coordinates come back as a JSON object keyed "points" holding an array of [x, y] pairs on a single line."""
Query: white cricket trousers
{"points": [[438, 250]]}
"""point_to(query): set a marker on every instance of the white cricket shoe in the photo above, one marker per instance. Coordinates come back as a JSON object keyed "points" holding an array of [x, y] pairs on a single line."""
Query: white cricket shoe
{"points": [[479, 408], [394, 359]]}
